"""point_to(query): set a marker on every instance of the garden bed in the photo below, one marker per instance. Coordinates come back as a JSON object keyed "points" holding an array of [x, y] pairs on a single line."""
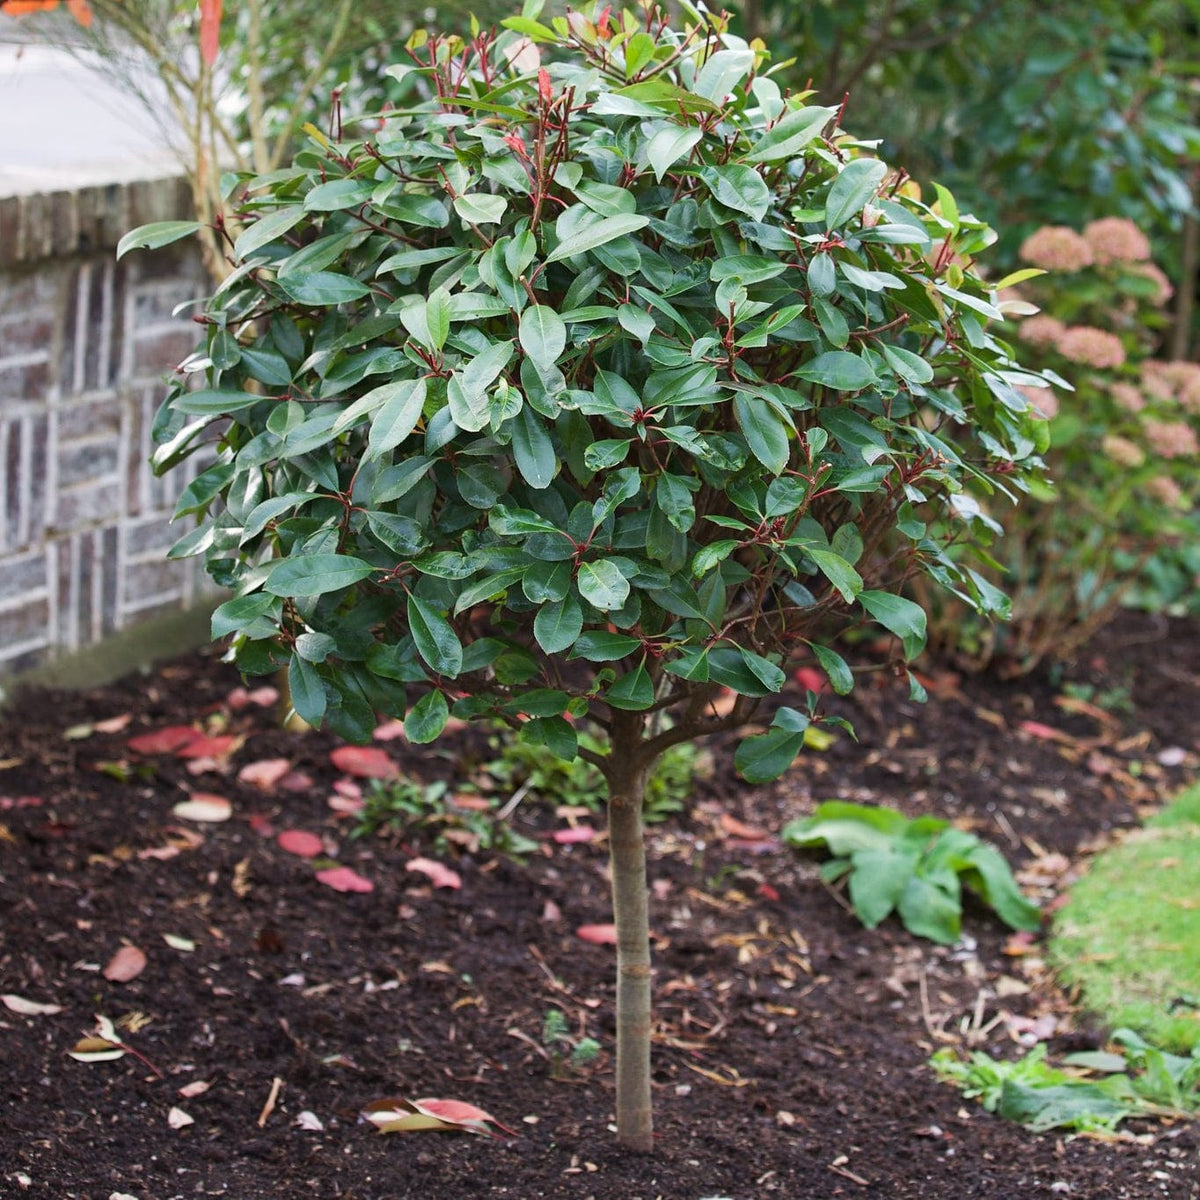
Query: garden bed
{"points": [[791, 1043]]}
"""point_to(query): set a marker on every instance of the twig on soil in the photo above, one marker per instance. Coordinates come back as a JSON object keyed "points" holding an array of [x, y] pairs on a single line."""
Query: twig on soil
{"points": [[273, 1096]]}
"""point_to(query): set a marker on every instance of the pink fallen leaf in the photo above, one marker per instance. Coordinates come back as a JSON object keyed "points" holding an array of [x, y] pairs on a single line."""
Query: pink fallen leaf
{"points": [[343, 879], [240, 698], [739, 829], [204, 807], [347, 787], [113, 724], [1045, 732], [439, 875], [10, 802], [389, 731], [366, 762], [261, 824], [431, 1115], [297, 781], [203, 746], [470, 803], [346, 806], [811, 679], [598, 935], [128, 963], [178, 1119], [573, 835], [301, 843], [265, 773], [28, 1008], [196, 1088], [162, 741]]}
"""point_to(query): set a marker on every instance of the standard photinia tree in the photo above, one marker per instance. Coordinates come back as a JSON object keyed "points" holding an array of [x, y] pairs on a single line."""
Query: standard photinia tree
{"points": [[605, 382]]}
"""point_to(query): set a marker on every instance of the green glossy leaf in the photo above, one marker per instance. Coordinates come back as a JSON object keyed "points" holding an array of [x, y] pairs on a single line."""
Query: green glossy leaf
{"points": [[306, 689], [738, 187], [764, 431], [265, 230], [852, 190], [834, 665], [315, 574], [838, 571], [481, 208], [427, 718], [324, 288], [790, 135], [533, 450], [602, 585], [604, 647], [899, 616], [558, 624], [339, 194], [598, 233], [160, 233], [633, 691], [260, 610], [435, 639], [398, 414], [670, 145], [542, 335], [555, 733], [766, 757], [840, 370]]}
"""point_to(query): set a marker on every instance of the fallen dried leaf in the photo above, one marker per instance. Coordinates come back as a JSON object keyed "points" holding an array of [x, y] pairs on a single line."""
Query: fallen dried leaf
{"points": [[598, 935], [128, 963], [432, 1115], [113, 724], [162, 741], [389, 731], [185, 945], [301, 843], [204, 807], [28, 1008], [440, 876], [574, 834], [310, 1121], [196, 1088], [739, 829], [209, 748], [178, 1119], [96, 1049], [264, 774], [366, 762], [343, 879], [811, 679]]}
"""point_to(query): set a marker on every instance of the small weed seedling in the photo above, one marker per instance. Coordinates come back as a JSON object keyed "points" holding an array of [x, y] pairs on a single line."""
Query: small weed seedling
{"points": [[405, 809], [1092, 1093], [519, 764], [569, 1056], [916, 868]]}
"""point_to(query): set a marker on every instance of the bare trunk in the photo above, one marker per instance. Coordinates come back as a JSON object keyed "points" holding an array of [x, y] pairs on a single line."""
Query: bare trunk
{"points": [[626, 774]]}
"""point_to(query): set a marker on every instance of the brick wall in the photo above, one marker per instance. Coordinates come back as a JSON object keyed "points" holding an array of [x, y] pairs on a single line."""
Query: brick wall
{"points": [[85, 344]]}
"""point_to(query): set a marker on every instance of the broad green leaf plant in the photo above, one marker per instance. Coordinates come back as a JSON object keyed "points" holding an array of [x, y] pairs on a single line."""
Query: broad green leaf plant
{"points": [[603, 381]]}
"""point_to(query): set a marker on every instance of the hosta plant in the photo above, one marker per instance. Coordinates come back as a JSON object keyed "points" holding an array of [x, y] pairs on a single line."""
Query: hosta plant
{"points": [[605, 381], [916, 868]]}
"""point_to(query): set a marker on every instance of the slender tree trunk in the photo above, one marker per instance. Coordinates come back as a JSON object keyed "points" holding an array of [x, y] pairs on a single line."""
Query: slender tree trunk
{"points": [[626, 774]]}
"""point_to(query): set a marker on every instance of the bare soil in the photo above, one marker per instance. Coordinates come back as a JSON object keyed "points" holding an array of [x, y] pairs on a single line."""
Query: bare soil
{"points": [[791, 1044]]}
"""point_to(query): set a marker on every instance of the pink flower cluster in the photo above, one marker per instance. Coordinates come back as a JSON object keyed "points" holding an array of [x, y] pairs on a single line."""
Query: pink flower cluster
{"points": [[1122, 451], [1179, 381], [1057, 248], [1115, 239], [1091, 346], [1171, 439], [1166, 491], [1042, 400]]}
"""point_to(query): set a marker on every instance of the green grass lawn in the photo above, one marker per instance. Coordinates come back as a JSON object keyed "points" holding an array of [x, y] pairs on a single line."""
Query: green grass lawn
{"points": [[1129, 935]]}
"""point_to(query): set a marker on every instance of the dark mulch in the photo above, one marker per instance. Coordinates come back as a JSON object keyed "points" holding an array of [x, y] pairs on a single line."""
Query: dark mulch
{"points": [[791, 1043]]}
